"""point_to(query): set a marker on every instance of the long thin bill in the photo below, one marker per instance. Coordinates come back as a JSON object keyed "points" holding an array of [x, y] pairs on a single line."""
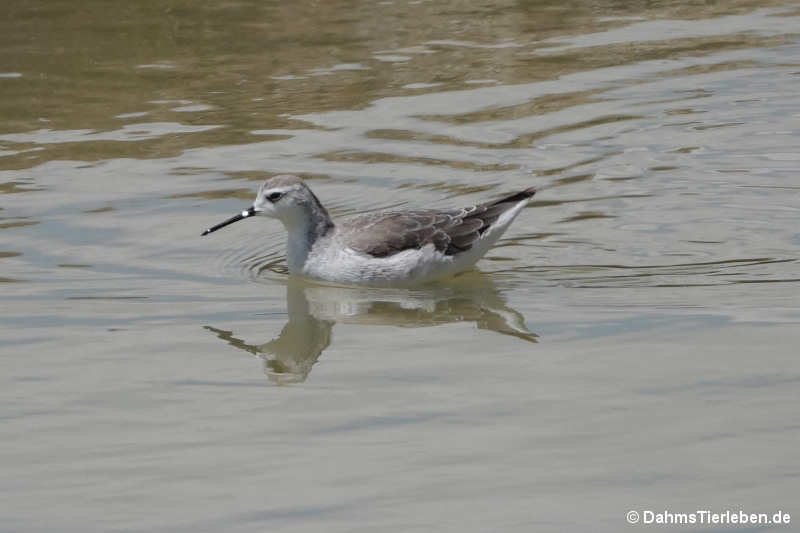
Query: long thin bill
{"points": [[244, 214]]}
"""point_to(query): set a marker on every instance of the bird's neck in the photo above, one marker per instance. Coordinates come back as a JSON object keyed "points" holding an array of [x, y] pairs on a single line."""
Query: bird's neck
{"points": [[303, 232]]}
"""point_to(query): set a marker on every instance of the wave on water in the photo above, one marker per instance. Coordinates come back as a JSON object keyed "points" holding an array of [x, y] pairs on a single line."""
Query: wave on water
{"points": [[262, 261]]}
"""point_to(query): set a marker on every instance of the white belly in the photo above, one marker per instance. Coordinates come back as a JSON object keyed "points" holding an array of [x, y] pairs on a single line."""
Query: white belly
{"points": [[349, 267]]}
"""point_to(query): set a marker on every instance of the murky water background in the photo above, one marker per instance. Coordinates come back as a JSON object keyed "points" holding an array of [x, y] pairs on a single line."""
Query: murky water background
{"points": [[631, 344]]}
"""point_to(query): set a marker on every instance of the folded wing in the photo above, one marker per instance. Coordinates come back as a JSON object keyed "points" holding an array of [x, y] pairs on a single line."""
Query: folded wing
{"points": [[384, 234]]}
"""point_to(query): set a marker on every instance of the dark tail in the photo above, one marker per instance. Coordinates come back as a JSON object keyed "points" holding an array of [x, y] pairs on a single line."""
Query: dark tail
{"points": [[518, 197]]}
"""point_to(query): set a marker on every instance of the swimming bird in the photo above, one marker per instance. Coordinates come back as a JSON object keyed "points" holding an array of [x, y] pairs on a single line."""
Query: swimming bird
{"points": [[383, 248]]}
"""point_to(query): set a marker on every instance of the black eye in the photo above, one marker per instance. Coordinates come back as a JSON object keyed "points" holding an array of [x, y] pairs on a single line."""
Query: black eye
{"points": [[274, 197]]}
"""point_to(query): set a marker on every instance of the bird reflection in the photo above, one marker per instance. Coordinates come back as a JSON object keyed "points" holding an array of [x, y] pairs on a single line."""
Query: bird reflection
{"points": [[314, 309]]}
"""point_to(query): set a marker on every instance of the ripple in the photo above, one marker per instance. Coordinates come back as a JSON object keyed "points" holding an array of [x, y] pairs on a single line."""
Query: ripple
{"points": [[761, 22], [129, 132], [261, 261], [694, 274], [392, 59]]}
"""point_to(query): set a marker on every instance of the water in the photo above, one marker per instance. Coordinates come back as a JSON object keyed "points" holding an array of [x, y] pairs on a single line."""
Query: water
{"points": [[630, 345]]}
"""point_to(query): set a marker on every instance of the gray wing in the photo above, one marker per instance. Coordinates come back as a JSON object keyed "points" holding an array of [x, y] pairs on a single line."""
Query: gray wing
{"points": [[387, 233]]}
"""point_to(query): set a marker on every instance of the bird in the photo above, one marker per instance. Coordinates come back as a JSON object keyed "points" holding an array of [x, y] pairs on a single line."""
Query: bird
{"points": [[381, 248]]}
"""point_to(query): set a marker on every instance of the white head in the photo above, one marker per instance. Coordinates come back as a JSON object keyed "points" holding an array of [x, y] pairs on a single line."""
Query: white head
{"points": [[287, 198]]}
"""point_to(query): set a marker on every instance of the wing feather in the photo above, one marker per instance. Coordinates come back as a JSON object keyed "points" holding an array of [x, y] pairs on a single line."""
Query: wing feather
{"points": [[384, 234]]}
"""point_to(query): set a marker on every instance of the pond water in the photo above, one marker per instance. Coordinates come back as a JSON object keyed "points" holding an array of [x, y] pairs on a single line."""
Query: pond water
{"points": [[631, 344]]}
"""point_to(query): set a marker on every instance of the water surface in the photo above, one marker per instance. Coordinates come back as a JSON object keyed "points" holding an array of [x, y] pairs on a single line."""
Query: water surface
{"points": [[630, 344]]}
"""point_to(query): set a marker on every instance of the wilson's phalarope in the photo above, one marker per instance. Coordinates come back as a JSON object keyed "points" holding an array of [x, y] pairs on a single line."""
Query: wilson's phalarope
{"points": [[381, 248]]}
